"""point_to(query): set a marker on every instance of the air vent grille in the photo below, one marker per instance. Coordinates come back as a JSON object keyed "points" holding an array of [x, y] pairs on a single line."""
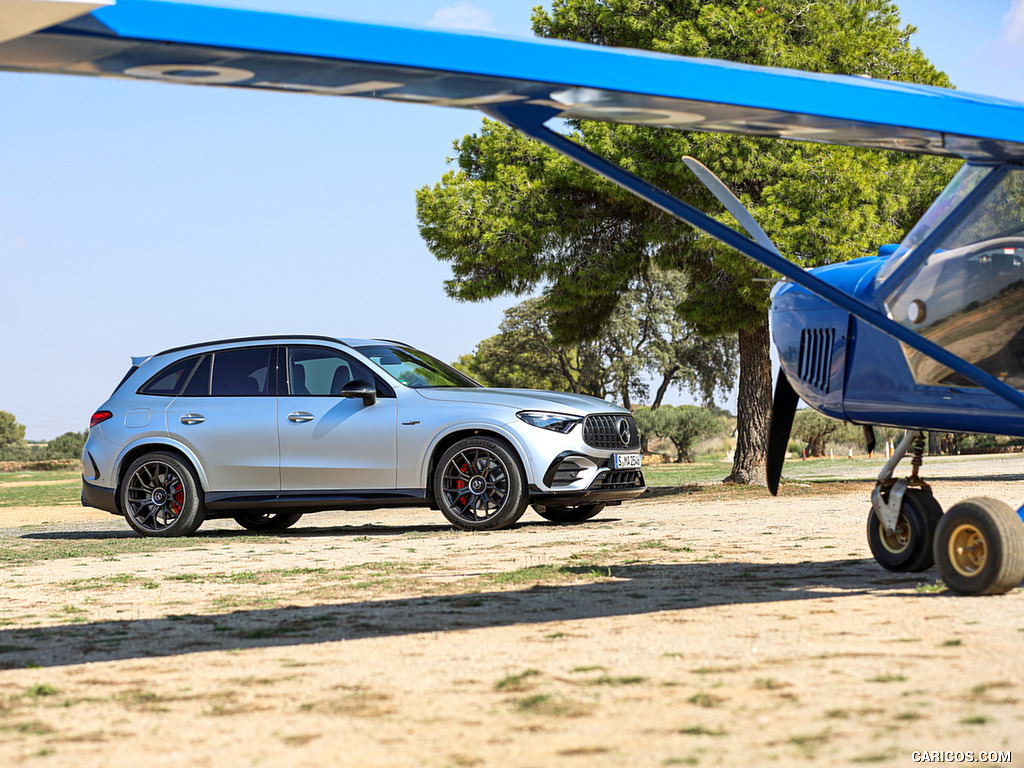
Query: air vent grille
{"points": [[816, 346]]}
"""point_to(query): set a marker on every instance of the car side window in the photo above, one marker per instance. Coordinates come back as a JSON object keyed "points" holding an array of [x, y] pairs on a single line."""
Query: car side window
{"points": [[199, 384], [169, 381], [241, 372], [318, 371]]}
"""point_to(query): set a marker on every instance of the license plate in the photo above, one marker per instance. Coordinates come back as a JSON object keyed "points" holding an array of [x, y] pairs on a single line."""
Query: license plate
{"points": [[626, 461]]}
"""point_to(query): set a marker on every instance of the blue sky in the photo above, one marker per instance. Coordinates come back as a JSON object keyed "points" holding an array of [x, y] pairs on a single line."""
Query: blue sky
{"points": [[139, 216]]}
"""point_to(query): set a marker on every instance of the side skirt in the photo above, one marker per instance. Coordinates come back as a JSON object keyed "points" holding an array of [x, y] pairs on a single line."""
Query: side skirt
{"points": [[312, 501]]}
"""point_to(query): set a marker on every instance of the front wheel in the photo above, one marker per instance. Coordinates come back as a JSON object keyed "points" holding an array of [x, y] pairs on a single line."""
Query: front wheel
{"points": [[979, 548], [909, 547], [161, 496], [268, 521], [566, 515], [479, 486]]}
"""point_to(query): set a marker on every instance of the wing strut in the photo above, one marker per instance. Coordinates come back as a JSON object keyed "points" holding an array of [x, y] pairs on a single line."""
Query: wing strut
{"points": [[530, 120]]}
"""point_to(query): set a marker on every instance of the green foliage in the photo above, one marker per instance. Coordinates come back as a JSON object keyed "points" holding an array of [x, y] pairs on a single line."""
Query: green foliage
{"points": [[684, 425], [643, 336], [12, 438], [817, 431], [67, 446], [516, 216]]}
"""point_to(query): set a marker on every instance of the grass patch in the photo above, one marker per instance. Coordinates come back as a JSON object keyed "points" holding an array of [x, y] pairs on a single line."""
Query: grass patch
{"points": [[518, 682], [609, 680], [706, 700], [700, 730], [23, 551], [547, 705], [887, 679], [976, 720], [48, 489]]}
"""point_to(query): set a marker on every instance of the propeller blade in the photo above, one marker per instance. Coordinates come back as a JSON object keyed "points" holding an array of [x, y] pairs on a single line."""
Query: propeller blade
{"points": [[869, 438], [783, 410], [732, 203]]}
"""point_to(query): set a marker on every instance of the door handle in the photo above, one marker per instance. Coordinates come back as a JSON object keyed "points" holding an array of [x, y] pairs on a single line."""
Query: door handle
{"points": [[192, 418], [300, 417]]}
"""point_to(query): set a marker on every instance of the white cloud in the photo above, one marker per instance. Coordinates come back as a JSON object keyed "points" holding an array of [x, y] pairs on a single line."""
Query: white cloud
{"points": [[1012, 28], [463, 15]]}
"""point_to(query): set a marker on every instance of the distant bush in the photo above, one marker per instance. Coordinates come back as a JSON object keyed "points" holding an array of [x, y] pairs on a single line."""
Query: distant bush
{"points": [[684, 425], [67, 446]]}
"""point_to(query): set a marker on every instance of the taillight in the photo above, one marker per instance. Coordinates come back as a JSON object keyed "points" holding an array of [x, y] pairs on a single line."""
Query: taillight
{"points": [[99, 417]]}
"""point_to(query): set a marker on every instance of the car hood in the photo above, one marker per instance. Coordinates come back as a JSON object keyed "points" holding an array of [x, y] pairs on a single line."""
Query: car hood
{"points": [[523, 399]]}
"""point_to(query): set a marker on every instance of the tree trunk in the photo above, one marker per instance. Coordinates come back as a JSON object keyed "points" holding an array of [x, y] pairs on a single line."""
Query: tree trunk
{"points": [[753, 407]]}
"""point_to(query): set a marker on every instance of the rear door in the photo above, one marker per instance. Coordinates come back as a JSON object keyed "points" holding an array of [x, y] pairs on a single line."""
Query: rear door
{"points": [[227, 414], [329, 442]]}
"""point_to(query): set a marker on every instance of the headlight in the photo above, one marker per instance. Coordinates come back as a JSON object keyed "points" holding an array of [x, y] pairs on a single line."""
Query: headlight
{"points": [[556, 422]]}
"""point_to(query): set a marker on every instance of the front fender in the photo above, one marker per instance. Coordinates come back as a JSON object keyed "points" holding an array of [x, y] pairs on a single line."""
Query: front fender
{"points": [[467, 430]]}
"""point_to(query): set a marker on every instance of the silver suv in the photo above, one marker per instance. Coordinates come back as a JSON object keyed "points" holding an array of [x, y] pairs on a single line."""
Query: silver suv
{"points": [[264, 430]]}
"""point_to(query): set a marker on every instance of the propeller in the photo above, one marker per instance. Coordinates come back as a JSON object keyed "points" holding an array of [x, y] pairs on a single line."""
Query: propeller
{"points": [[783, 410], [869, 438], [786, 398]]}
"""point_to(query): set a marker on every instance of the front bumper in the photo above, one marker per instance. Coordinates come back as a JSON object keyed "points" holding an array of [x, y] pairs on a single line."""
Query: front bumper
{"points": [[609, 486]]}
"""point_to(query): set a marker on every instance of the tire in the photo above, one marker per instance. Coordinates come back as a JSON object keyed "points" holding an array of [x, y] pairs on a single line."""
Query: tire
{"points": [[261, 522], [161, 496], [479, 486], [979, 548], [909, 549], [568, 515]]}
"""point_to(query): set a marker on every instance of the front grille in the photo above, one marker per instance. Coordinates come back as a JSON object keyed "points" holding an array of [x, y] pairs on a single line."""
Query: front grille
{"points": [[602, 432], [619, 478], [816, 345]]}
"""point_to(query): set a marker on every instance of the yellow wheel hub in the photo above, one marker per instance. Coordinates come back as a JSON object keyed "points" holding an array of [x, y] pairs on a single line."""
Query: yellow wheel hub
{"points": [[898, 540], [967, 550]]}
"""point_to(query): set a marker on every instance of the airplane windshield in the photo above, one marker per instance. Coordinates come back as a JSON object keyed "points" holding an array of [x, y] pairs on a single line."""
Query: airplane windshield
{"points": [[966, 179], [968, 295]]}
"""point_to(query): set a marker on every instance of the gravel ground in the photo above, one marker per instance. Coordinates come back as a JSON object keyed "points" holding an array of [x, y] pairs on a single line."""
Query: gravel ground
{"points": [[715, 628]]}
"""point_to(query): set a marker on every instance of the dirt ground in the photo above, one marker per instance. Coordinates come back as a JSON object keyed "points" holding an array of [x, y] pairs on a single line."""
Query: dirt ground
{"points": [[721, 628]]}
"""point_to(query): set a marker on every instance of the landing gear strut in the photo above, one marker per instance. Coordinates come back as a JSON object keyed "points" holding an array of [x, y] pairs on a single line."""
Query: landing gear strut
{"points": [[904, 514]]}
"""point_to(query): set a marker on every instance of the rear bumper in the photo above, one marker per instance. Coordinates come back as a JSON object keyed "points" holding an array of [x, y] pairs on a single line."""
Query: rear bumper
{"points": [[99, 497]]}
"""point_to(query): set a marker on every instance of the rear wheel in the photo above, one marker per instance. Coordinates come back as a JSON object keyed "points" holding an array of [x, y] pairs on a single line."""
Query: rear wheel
{"points": [[267, 521], [979, 548], [478, 485], [161, 496], [576, 514], [909, 547]]}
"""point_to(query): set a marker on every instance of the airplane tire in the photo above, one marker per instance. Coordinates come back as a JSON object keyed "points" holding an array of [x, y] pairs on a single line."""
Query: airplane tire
{"points": [[979, 547], [909, 549]]}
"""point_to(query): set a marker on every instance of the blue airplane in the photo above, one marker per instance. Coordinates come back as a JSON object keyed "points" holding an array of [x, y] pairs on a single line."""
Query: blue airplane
{"points": [[927, 335]]}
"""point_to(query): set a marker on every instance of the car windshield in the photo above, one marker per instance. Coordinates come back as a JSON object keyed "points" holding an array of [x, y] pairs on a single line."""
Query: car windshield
{"points": [[414, 368]]}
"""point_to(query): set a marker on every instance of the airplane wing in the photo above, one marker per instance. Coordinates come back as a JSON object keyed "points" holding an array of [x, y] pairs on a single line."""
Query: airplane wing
{"points": [[525, 83], [247, 49]]}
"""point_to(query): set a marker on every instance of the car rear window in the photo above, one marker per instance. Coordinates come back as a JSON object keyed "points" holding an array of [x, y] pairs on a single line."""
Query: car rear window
{"points": [[169, 381]]}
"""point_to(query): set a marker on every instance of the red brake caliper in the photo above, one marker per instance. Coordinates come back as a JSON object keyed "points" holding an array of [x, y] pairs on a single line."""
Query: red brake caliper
{"points": [[178, 500], [460, 484]]}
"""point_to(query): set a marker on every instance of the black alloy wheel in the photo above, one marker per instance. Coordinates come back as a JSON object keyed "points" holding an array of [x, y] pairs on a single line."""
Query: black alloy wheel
{"points": [[478, 485]]}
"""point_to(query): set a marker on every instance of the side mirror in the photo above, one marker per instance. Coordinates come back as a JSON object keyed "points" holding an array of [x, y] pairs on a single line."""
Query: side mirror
{"points": [[360, 388]]}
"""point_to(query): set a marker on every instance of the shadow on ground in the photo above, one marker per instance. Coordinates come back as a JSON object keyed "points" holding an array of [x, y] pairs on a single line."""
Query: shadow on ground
{"points": [[631, 591]]}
